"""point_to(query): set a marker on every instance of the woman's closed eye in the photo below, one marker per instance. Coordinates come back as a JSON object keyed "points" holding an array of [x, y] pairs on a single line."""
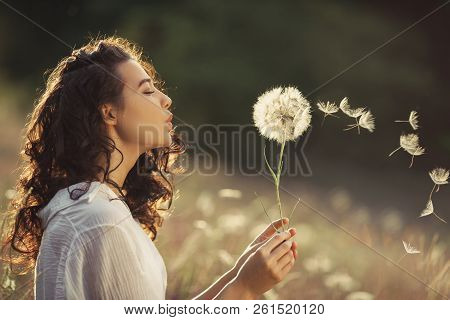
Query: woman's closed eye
{"points": [[149, 92]]}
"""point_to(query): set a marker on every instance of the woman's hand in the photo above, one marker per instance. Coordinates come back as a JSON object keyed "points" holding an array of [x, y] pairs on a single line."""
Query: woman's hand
{"points": [[268, 265], [260, 240]]}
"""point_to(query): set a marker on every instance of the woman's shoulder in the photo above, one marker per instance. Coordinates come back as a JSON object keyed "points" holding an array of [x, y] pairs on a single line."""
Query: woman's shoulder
{"points": [[97, 205]]}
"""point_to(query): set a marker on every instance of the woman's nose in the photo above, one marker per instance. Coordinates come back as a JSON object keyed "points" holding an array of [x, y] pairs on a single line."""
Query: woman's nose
{"points": [[167, 102]]}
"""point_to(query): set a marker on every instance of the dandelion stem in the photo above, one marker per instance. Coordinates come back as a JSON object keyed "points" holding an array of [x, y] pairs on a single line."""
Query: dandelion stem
{"points": [[435, 214], [390, 154], [293, 209], [351, 126], [268, 165], [432, 190], [323, 120], [412, 158], [401, 121], [357, 124], [265, 211], [277, 181], [276, 177]]}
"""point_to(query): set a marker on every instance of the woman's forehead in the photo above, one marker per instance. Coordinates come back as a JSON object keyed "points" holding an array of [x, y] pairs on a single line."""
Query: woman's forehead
{"points": [[132, 73]]}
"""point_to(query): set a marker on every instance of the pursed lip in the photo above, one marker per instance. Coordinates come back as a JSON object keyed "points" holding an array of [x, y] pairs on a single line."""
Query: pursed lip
{"points": [[169, 122]]}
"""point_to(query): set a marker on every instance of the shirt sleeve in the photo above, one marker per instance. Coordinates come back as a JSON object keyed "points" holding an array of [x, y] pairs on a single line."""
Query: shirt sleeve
{"points": [[103, 263]]}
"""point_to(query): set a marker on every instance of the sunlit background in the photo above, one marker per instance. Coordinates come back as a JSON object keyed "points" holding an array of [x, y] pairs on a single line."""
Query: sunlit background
{"points": [[216, 58]]}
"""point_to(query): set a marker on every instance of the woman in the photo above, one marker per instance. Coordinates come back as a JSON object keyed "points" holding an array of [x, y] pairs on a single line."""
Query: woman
{"points": [[102, 131]]}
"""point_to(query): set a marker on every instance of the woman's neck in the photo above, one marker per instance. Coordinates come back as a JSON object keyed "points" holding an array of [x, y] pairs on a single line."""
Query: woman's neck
{"points": [[119, 168]]}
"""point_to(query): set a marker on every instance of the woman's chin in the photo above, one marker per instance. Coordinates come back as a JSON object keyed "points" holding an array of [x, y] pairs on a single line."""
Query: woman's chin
{"points": [[164, 144]]}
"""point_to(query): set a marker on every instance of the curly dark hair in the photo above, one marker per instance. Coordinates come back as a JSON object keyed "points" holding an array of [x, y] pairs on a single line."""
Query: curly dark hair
{"points": [[65, 136]]}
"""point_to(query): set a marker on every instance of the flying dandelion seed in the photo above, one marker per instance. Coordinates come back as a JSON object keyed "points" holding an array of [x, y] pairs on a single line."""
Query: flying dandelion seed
{"points": [[439, 177], [429, 209], [409, 250], [367, 121], [281, 114], [410, 143], [413, 120], [353, 113], [328, 108]]}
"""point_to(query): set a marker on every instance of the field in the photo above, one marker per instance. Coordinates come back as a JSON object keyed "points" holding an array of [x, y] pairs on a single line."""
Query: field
{"points": [[346, 251]]}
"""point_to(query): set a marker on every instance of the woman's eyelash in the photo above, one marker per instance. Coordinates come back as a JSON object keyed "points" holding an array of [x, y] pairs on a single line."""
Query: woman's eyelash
{"points": [[149, 92]]}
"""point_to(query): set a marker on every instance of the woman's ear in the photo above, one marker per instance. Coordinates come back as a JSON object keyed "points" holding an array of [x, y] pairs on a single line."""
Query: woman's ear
{"points": [[109, 113]]}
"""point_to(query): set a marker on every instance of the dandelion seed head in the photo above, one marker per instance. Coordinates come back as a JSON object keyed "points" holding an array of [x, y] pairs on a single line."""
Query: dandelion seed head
{"points": [[414, 120], [302, 122], [367, 121], [439, 176], [409, 248], [282, 114]]}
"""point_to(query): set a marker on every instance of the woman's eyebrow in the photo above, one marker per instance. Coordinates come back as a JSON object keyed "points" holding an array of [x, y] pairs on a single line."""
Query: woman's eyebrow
{"points": [[144, 81]]}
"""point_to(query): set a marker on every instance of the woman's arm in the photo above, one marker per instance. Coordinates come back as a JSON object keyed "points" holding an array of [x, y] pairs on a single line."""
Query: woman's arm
{"points": [[217, 286], [235, 290], [228, 277]]}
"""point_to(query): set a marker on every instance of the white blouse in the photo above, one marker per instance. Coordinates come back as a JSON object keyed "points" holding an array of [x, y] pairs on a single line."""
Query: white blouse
{"points": [[92, 248]]}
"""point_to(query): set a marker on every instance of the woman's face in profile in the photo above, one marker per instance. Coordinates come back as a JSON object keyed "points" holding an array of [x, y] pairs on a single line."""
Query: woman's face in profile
{"points": [[144, 120]]}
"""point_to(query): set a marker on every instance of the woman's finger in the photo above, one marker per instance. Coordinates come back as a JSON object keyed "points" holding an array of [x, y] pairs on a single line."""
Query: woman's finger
{"points": [[276, 240], [287, 258], [281, 250], [257, 245], [294, 249], [270, 230], [284, 247], [286, 269]]}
